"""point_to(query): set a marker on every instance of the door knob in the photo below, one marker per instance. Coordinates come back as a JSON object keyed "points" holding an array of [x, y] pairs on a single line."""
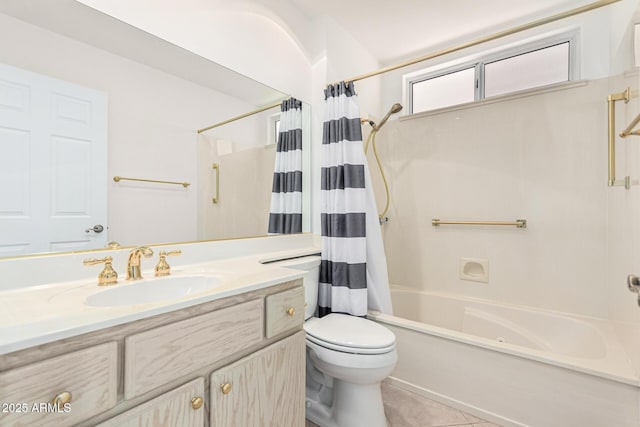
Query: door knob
{"points": [[96, 229]]}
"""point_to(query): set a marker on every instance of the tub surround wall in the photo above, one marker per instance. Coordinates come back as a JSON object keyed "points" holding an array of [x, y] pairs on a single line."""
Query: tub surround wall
{"points": [[540, 157], [623, 226]]}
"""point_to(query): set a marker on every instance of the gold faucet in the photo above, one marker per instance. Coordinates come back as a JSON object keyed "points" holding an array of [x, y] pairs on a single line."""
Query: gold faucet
{"points": [[108, 275], [163, 268], [133, 264]]}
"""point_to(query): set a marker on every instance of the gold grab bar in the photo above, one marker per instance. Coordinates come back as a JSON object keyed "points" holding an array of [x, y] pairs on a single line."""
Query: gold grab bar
{"points": [[122, 178], [625, 96], [216, 166], [611, 104], [520, 223]]}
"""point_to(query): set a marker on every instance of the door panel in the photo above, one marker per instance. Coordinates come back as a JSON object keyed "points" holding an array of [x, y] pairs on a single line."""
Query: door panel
{"points": [[53, 164]]}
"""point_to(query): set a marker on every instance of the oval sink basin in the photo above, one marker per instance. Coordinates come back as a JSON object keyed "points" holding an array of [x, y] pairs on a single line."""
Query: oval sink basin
{"points": [[152, 290]]}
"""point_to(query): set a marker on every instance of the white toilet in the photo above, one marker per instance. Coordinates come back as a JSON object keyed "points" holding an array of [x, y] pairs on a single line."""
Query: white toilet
{"points": [[347, 359]]}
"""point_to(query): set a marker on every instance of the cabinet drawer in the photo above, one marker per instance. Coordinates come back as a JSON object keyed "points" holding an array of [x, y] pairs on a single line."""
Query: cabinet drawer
{"points": [[174, 408], [285, 311], [90, 375], [160, 355]]}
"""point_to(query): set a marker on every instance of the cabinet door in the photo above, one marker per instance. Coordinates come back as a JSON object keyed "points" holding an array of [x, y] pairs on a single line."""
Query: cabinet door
{"points": [[263, 389], [176, 408]]}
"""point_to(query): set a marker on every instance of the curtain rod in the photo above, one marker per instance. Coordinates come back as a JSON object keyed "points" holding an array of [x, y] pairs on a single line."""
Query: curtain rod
{"points": [[242, 116], [504, 33]]}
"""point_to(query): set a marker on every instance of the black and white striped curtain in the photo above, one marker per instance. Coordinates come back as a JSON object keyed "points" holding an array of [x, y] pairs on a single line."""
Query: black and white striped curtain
{"points": [[285, 214], [343, 268]]}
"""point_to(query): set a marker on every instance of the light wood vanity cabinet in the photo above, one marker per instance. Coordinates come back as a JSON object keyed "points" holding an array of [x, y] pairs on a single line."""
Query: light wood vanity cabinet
{"points": [[168, 370]]}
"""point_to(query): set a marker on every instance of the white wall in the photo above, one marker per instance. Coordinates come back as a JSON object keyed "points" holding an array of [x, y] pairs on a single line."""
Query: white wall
{"points": [[153, 117]]}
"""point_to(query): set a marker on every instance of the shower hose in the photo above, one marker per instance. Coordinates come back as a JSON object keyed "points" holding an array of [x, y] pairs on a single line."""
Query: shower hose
{"points": [[371, 139]]}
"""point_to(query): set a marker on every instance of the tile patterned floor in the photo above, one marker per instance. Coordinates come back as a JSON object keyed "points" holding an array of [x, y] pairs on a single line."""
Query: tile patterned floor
{"points": [[406, 409]]}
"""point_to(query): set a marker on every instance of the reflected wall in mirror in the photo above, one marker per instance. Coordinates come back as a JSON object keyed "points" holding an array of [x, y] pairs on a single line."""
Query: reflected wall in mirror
{"points": [[155, 105], [244, 153]]}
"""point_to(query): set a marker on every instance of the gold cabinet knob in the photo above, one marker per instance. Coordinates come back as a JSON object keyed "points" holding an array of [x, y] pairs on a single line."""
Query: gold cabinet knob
{"points": [[62, 398], [196, 402], [226, 388], [291, 311]]}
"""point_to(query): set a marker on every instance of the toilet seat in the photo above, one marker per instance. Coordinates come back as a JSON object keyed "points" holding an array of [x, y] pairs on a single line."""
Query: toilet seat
{"points": [[349, 334]]}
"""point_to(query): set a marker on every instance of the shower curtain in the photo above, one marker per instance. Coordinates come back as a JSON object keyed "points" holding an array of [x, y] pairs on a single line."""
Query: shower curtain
{"points": [[285, 213], [353, 269]]}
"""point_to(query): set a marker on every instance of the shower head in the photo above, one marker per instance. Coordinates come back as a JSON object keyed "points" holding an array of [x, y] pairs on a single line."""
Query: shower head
{"points": [[394, 109]]}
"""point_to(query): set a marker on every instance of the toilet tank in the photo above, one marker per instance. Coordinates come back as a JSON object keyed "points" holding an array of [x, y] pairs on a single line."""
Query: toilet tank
{"points": [[311, 266]]}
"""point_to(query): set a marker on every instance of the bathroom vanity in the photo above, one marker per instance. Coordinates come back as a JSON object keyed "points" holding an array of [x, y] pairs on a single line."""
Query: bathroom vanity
{"points": [[233, 357]]}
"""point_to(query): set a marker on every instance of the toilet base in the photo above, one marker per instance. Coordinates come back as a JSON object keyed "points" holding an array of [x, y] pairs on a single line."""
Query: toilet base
{"points": [[319, 414], [355, 405]]}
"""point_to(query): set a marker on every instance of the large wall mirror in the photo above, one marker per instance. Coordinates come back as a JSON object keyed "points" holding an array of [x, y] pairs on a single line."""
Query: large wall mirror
{"points": [[78, 77]]}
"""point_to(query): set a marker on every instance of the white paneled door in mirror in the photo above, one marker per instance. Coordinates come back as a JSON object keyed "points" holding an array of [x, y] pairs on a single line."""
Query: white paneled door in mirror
{"points": [[53, 164]]}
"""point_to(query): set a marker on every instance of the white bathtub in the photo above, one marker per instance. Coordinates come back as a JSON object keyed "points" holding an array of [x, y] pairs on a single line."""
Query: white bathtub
{"points": [[512, 365]]}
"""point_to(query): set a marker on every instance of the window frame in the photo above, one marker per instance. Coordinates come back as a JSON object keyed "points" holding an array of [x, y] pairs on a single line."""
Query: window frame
{"points": [[501, 53], [272, 127]]}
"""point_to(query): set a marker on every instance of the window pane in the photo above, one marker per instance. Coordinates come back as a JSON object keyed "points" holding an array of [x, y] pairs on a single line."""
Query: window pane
{"points": [[450, 89], [532, 69]]}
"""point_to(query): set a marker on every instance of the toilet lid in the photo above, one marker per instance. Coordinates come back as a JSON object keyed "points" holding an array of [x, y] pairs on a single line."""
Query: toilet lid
{"points": [[349, 332]]}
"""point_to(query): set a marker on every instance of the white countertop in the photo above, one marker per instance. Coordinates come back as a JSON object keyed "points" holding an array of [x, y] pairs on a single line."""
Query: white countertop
{"points": [[40, 314]]}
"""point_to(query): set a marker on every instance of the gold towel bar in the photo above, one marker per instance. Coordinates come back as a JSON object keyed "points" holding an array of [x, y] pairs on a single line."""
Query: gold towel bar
{"points": [[122, 178], [520, 223]]}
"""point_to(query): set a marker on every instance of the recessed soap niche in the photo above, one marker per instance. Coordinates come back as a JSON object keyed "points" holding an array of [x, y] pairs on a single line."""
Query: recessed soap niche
{"points": [[474, 269]]}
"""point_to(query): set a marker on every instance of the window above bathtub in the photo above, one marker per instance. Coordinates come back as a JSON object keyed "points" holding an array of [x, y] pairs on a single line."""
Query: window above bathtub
{"points": [[507, 70]]}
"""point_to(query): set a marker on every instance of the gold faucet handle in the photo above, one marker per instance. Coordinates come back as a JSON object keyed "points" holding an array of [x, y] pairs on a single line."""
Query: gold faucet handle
{"points": [[108, 275], [163, 268]]}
